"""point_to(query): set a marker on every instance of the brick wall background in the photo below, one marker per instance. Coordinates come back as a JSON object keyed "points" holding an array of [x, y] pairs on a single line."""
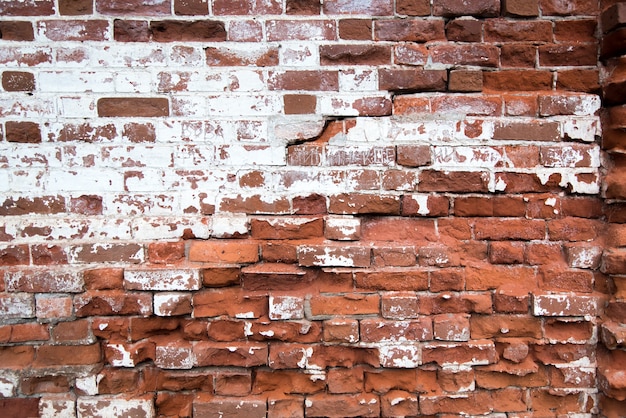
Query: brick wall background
{"points": [[294, 208]]}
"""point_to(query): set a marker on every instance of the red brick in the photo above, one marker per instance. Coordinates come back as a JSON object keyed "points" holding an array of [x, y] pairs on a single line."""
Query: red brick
{"points": [[335, 405], [464, 30], [476, 352], [99, 253], [465, 54], [355, 29], [492, 277], [224, 251], [523, 80], [190, 8], [14, 255], [226, 7], [376, 330], [498, 326], [579, 30], [398, 229], [449, 279], [573, 229], [131, 30], [451, 327], [571, 8], [287, 228], [409, 30], [399, 305], [233, 383], [134, 7], [103, 278], [300, 7], [489, 206], [506, 252], [468, 105], [413, 7], [347, 54], [479, 8], [565, 305], [111, 302], [206, 405], [299, 104], [303, 80], [285, 382], [341, 330], [521, 8], [12, 30], [392, 279], [22, 132], [431, 205], [500, 30], [444, 303], [453, 181], [394, 256], [465, 81], [27, 8], [520, 105], [562, 280], [345, 380], [254, 204], [518, 55], [240, 354], [18, 81], [414, 80], [567, 104], [503, 229], [232, 302], [352, 304], [567, 54], [364, 204], [63, 356], [133, 107]]}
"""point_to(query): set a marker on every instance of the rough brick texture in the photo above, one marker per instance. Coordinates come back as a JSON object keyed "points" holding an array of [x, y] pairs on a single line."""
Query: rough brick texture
{"points": [[288, 208]]}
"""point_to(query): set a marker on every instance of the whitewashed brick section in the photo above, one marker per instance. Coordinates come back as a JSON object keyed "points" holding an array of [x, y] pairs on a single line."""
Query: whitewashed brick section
{"points": [[77, 106], [128, 55], [76, 81], [356, 79], [134, 82], [244, 105], [170, 228], [342, 229], [174, 356], [105, 406], [295, 54], [402, 356], [225, 226], [162, 279], [57, 406], [22, 106], [580, 128], [17, 305], [286, 307], [464, 156], [565, 305], [166, 303], [9, 381]]}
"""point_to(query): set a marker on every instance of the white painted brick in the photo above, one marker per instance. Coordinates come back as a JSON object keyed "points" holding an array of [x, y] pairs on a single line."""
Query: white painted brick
{"points": [[130, 156], [583, 129], [369, 130], [189, 106], [461, 156], [76, 81], [162, 279], [343, 229], [358, 80], [400, 356], [77, 107], [244, 105], [255, 155], [286, 307], [68, 229], [194, 155], [112, 406], [57, 406], [22, 106], [141, 204], [291, 128], [27, 180], [86, 180], [299, 54], [9, 381], [196, 131], [129, 55], [229, 225], [17, 305], [13, 56], [134, 82], [30, 155], [5, 184], [164, 302], [174, 357], [169, 228]]}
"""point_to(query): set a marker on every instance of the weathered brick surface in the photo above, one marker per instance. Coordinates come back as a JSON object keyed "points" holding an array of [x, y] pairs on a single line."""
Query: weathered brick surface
{"points": [[306, 208]]}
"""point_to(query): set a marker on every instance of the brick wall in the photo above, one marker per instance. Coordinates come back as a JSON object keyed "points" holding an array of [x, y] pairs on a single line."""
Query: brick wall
{"points": [[293, 208]]}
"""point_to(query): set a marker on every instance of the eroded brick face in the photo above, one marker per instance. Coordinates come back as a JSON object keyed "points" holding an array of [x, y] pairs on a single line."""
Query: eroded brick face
{"points": [[293, 208]]}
